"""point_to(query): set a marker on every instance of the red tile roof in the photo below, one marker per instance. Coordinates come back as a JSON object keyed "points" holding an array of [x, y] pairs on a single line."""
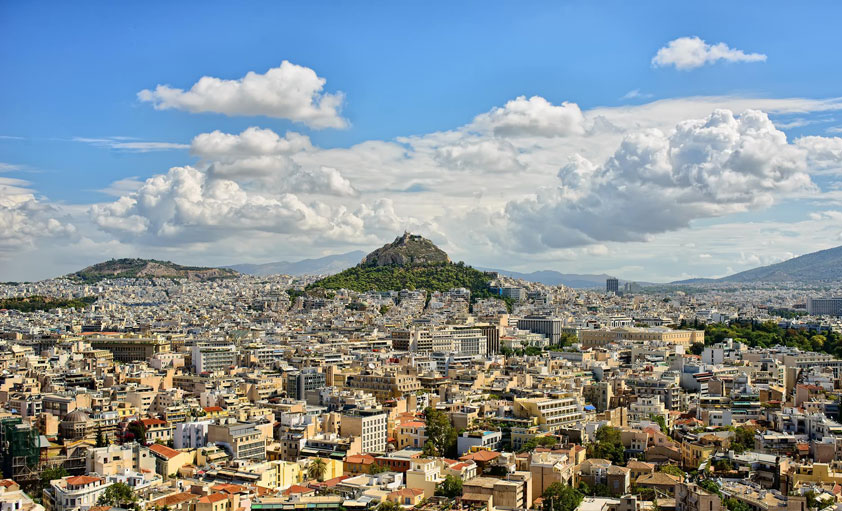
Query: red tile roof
{"points": [[213, 497], [164, 451], [77, 480]]}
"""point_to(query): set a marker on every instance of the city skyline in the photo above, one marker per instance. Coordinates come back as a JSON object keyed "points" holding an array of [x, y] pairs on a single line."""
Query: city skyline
{"points": [[652, 143]]}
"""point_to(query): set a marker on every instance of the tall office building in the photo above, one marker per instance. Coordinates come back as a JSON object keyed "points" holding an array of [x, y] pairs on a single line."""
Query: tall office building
{"points": [[824, 306], [612, 285], [551, 327], [308, 379]]}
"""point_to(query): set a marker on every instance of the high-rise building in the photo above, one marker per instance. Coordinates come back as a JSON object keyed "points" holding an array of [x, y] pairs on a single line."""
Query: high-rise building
{"points": [[550, 327], [824, 306], [308, 379], [213, 358], [612, 285]]}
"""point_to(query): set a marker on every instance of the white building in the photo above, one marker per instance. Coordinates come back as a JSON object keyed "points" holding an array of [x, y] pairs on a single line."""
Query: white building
{"points": [[213, 358], [75, 493], [191, 435]]}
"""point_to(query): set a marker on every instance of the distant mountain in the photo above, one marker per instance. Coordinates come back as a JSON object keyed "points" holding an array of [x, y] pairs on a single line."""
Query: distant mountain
{"points": [[319, 266], [824, 265], [149, 268], [409, 262]]}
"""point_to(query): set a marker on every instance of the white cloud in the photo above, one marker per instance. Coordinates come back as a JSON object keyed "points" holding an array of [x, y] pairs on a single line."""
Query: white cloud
{"points": [[687, 53], [825, 153], [656, 182], [24, 219], [635, 94], [532, 117], [288, 91], [128, 144], [122, 186]]}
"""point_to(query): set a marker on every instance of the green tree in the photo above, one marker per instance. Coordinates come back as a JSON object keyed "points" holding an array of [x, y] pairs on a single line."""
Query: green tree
{"points": [[736, 505], [608, 445], [560, 497], [441, 437], [138, 431], [451, 487], [100, 438], [50, 474], [388, 505], [377, 468], [118, 495], [662, 423], [317, 469], [672, 470], [711, 486], [743, 439]]}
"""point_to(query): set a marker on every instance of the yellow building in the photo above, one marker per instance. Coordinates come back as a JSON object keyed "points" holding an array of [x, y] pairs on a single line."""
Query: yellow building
{"points": [[819, 473], [694, 453], [333, 468], [168, 461], [596, 338], [552, 413], [287, 474]]}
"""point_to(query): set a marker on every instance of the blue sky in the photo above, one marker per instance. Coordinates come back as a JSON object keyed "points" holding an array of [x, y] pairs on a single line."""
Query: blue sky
{"points": [[74, 70]]}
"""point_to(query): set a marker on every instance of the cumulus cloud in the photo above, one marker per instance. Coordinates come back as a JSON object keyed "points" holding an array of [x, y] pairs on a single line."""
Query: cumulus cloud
{"points": [[687, 53], [535, 117], [825, 153], [486, 155], [262, 157], [657, 182], [288, 91], [186, 205], [24, 219]]}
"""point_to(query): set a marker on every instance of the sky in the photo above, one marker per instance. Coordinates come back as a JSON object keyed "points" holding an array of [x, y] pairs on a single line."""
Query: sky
{"points": [[653, 141]]}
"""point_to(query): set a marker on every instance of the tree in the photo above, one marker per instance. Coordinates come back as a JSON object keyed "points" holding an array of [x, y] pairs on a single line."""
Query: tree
{"points": [[377, 468], [697, 348], [736, 505], [710, 486], [138, 431], [118, 495], [608, 446], [672, 470], [51, 474], [743, 439], [662, 423], [451, 487], [388, 505], [560, 497], [441, 437], [100, 438], [317, 469]]}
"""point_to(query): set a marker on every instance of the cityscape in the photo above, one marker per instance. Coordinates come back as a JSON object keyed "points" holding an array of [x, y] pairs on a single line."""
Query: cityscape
{"points": [[573, 256]]}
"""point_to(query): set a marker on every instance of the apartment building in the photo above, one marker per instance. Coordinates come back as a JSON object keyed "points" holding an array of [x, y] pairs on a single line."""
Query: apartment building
{"points": [[384, 386], [74, 493], [551, 413], [368, 424], [207, 359], [241, 440]]}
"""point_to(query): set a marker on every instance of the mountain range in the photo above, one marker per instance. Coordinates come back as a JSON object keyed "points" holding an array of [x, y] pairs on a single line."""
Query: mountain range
{"points": [[318, 266], [824, 265]]}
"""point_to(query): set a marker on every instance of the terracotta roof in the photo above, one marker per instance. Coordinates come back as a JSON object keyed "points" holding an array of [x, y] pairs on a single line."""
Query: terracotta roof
{"points": [[213, 497], [99, 508], [210, 409], [658, 478], [175, 499], [229, 488], [365, 459], [76, 480], [298, 489], [164, 451], [480, 456], [8, 483]]}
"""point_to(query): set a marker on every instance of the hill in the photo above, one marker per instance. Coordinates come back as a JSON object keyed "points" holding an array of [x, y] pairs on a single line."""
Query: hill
{"points": [[44, 303], [410, 262], [407, 250], [149, 268], [319, 266], [821, 266]]}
